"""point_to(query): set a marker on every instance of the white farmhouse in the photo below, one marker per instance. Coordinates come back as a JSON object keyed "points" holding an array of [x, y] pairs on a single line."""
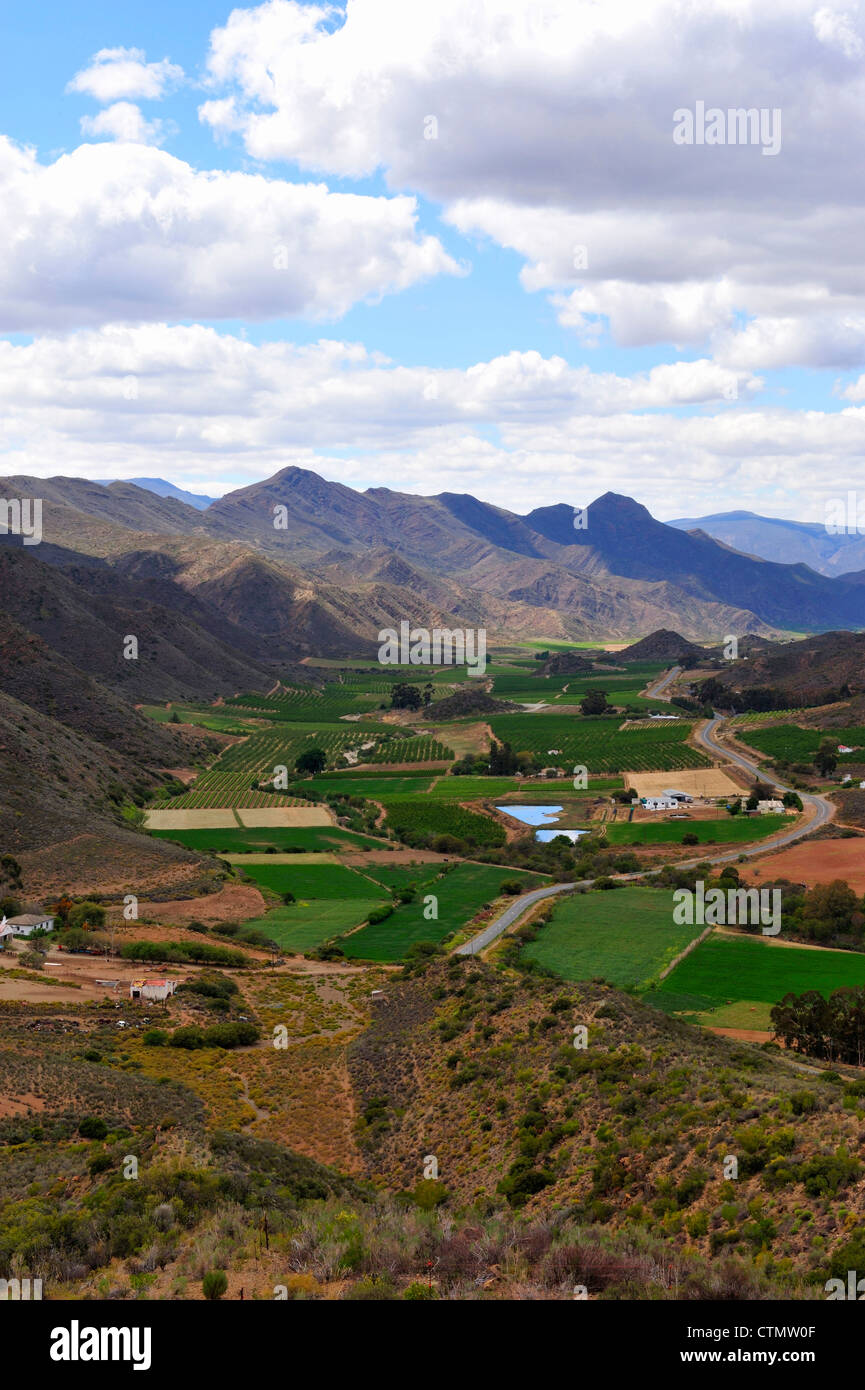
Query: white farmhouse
{"points": [[658, 803], [28, 922], [770, 808]]}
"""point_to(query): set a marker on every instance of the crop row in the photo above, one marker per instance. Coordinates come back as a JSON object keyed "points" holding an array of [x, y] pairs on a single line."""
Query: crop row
{"points": [[419, 817], [217, 788], [599, 744], [792, 744]]}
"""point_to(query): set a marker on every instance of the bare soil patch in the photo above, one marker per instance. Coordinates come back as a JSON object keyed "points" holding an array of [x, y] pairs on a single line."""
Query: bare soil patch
{"points": [[235, 903], [285, 815], [696, 781], [193, 819], [93, 864], [751, 1035], [11, 1106], [816, 861]]}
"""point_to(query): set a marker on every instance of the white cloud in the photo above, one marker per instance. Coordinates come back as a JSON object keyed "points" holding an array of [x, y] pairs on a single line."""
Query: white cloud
{"points": [[128, 232], [837, 30], [116, 73], [214, 410], [124, 121], [554, 131]]}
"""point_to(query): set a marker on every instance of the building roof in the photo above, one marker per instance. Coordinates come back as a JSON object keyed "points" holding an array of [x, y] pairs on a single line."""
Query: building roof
{"points": [[29, 919]]}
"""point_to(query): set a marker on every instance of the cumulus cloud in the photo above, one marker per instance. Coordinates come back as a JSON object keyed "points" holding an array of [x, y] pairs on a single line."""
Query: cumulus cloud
{"points": [[115, 73], [128, 232], [216, 410], [552, 125], [329, 393], [124, 121]]}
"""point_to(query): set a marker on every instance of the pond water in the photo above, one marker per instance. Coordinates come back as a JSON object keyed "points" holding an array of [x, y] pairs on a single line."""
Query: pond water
{"points": [[531, 815], [541, 815]]}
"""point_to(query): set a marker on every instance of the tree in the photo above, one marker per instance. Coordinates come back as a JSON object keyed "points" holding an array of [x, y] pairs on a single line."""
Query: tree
{"points": [[825, 759], [428, 693], [594, 702], [312, 761], [405, 696], [503, 760], [86, 915], [10, 873]]}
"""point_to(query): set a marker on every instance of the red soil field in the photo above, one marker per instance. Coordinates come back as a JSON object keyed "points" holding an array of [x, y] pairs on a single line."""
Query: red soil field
{"points": [[819, 861]]}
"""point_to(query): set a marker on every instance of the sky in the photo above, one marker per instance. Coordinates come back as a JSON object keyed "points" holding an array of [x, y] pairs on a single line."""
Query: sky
{"points": [[518, 248]]}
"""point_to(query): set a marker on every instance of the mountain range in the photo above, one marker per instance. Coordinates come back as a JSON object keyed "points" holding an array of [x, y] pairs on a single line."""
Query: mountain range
{"points": [[237, 595], [295, 566], [786, 542]]}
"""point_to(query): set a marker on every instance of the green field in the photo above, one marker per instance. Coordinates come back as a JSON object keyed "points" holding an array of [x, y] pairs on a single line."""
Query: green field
{"points": [[354, 784], [255, 839], [626, 936], [519, 683], [598, 744], [425, 816], [305, 925], [461, 893], [747, 971], [313, 880], [733, 830], [794, 745], [205, 717], [397, 876]]}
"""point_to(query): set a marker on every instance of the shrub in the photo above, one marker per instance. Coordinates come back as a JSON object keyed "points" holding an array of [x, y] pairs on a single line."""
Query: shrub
{"points": [[92, 1127], [418, 1293], [214, 1284]]}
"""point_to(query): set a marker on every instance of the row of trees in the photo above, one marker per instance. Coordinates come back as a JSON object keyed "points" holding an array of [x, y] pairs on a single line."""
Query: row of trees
{"points": [[762, 697], [829, 914], [832, 1029]]}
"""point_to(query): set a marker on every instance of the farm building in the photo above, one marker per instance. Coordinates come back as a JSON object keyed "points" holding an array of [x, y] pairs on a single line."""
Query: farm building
{"points": [[152, 989], [6, 934], [677, 796], [770, 808], [658, 803], [28, 923]]}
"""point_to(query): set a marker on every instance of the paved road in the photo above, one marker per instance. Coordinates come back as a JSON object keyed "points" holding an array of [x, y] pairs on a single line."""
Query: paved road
{"points": [[508, 917], [822, 808], [656, 691]]}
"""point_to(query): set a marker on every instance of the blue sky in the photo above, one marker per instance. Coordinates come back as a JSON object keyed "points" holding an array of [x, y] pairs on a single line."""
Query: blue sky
{"points": [[709, 355]]}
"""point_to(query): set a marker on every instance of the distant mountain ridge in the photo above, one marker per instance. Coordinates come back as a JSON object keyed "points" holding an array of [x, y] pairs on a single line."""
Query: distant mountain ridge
{"points": [[165, 489], [787, 542]]}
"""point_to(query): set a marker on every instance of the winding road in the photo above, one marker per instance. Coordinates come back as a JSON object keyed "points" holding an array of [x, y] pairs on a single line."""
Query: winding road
{"points": [[705, 737], [657, 689]]}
